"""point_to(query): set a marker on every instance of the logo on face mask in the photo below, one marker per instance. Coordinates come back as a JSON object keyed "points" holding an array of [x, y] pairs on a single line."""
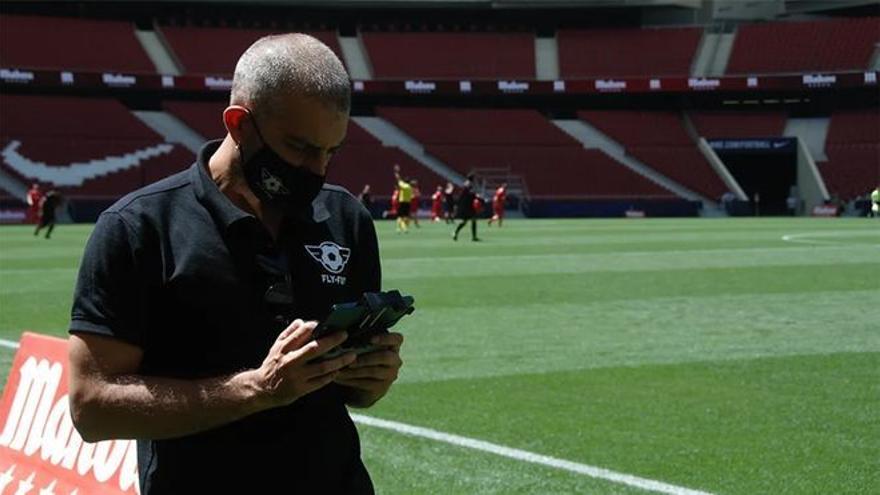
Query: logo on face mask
{"points": [[272, 184], [330, 255]]}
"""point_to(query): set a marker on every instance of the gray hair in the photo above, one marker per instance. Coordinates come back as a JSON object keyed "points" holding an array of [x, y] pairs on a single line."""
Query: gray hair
{"points": [[292, 63]]}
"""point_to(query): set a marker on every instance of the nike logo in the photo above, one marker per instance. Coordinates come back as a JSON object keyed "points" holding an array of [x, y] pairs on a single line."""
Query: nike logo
{"points": [[74, 174]]}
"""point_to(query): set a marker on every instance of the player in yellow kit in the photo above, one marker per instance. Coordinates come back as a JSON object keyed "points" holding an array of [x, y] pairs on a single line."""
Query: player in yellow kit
{"points": [[404, 197]]}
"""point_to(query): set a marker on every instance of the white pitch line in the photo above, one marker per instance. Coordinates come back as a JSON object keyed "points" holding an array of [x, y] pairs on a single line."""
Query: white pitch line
{"points": [[531, 457], [517, 454]]}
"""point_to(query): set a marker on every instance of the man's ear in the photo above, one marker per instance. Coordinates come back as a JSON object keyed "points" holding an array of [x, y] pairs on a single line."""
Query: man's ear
{"points": [[235, 117]]}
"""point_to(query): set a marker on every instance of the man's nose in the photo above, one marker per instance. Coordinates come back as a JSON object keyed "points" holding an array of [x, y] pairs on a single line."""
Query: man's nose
{"points": [[317, 162]]}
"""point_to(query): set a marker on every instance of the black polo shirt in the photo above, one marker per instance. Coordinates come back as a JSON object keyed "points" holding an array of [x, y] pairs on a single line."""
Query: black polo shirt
{"points": [[179, 271]]}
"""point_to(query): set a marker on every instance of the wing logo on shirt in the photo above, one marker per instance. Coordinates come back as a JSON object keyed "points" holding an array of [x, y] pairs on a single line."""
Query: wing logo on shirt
{"points": [[330, 255]]}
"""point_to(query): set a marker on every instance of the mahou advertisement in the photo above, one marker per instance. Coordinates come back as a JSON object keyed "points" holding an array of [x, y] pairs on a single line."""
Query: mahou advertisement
{"points": [[40, 451]]}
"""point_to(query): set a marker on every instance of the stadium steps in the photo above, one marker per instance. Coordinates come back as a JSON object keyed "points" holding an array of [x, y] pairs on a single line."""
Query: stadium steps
{"points": [[874, 64], [546, 59], [713, 54], [391, 135], [172, 129], [355, 56], [592, 138], [13, 186], [158, 52], [720, 169], [813, 132]]}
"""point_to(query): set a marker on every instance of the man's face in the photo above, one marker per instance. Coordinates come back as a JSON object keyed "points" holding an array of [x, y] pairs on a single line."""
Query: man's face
{"points": [[303, 131]]}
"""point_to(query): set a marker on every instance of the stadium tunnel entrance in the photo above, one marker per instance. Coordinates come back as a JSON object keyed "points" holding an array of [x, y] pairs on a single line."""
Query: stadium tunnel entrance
{"points": [[766, 170]]}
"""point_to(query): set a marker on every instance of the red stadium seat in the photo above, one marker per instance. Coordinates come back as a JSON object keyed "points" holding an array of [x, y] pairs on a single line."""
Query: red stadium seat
{"points": [[216, 50], [773, 47], [738, 125], [451, 55], [627, 52], [64, 43], [89, 146], [659, 140]]}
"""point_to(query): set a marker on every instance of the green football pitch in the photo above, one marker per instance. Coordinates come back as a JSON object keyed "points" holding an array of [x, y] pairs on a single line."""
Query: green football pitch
{"points": [[735, 356]]}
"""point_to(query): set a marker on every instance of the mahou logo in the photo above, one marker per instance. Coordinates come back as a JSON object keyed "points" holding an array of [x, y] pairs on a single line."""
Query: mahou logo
{"points": [[40, 451]]}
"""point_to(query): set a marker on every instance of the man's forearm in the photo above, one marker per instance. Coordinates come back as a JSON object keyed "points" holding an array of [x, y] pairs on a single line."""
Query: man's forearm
{"points": [[153, 408]]}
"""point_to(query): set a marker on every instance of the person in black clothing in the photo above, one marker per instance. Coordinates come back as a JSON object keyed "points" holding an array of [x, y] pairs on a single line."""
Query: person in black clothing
{"points": [[465, 211], [449, 202], [49, 205], [197, 298], [366, 198]]}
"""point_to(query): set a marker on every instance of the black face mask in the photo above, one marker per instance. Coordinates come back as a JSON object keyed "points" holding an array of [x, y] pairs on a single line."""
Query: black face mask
{"points": [[279, 183]]}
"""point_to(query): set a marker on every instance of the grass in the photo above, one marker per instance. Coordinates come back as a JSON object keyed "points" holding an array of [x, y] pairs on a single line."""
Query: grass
{"points": [[710, 354]]}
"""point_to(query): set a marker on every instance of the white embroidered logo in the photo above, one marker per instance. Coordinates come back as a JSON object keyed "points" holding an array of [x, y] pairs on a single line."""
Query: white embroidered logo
{"points": [[332, 256], [272, 184]]}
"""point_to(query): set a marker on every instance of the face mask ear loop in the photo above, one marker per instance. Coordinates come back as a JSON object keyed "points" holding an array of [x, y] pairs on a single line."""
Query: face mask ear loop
{"points": [[256, 127]]}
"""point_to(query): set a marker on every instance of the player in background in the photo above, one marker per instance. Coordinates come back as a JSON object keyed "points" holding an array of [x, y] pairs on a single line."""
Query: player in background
{"points": [[498, 202], [875, 202], [34, 195], [366, 198], [48, 207], [414, 202], [449, 202], [392, 211], [437, 204], [465, 210], [404, 199]]}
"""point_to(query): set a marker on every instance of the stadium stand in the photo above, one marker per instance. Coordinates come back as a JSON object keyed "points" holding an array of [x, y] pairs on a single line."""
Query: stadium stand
{"points": [[362, 160], [203, 50], [90, 146], [738, 125], [627, 52], [839, 44], [523, 141], [853, 150], [659, 140], [451, 55], [476, 126], [64, 43]]}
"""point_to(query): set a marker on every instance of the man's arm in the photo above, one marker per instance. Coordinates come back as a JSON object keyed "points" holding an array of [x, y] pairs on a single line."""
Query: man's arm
{"points": [[109, 399]]}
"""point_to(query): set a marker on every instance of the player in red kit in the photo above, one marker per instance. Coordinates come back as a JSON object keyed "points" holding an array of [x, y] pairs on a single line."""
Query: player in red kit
{"points": [[414, 202], [437, 204], [34, 196], [498, 204]]}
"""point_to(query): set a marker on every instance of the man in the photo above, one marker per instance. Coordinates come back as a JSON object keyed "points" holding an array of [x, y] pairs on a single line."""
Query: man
{"points": [[437, 204], [183, 333], [498, 201], [34, 195], [366, 198], [449, 202], [49, 205], [415, 202], [875, 202], [404, 200], [465, 211]]}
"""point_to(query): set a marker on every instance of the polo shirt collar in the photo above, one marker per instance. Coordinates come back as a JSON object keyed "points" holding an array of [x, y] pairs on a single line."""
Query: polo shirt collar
{"points": [[220, 207]]}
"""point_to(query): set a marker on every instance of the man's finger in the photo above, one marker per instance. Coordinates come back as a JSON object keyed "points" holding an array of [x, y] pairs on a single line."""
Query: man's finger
{"points": [[382, 373], [378, 358], [300, 335], [392, 340], [328, 366]]}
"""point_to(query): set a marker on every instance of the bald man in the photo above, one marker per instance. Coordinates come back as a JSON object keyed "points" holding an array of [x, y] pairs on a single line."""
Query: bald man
{"points": [[197, 297]]}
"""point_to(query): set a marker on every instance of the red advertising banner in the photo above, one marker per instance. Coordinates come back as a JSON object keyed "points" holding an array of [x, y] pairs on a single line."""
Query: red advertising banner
{"points": [[40, 451]]}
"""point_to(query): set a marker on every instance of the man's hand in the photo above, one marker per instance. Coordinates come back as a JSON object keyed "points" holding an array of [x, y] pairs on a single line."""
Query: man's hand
{"points": [[369, 378], [287, 373]]}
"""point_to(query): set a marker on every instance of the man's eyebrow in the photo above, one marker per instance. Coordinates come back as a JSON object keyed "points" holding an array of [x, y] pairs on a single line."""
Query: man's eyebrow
{"points": [[304, 142]]}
